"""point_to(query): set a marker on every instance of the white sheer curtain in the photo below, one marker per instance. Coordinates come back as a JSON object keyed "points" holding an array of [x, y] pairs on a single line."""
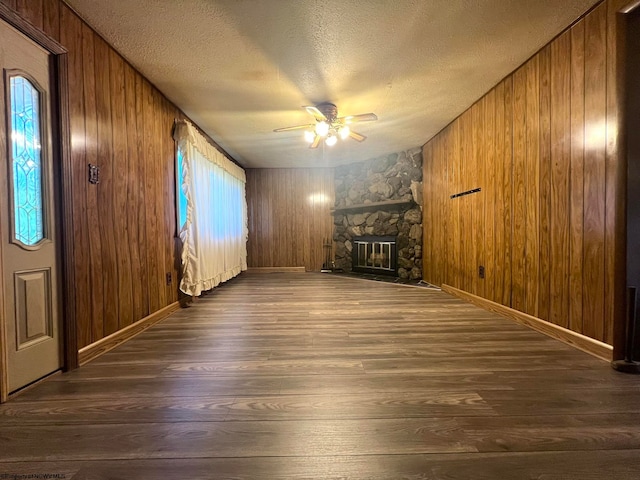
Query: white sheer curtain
{"points": [[214, 235]]}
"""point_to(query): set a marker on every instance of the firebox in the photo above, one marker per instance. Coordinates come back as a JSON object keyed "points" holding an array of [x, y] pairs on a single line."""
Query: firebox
{"points": [[377, 255]]}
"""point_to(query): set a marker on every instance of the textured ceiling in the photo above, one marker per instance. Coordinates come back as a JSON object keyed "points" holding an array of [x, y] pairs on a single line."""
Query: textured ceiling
{"points": [[241, 68]]}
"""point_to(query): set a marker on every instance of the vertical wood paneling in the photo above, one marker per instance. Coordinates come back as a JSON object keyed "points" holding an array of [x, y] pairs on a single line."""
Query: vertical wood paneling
{"points": [[532, 186], [105, 188], [577, 178], [309, 249], [133, 202], [434, 214], [438, 260], [312, 249], [252, 213], [560, 165], [498, 197], [51, 19], [159, 135], [446, 204], [467, 201], [466, 236], [140, 186], [31, 10], [120, 171], [289, 215], [9, 3], [477, 201], [508, 192], [615, 212], [298, 253], [444, 201], [72, 37], [594, 172], [489, 186], [518, 294], [428, 220], [261, 252], [150, 194], [92, 204], [545, 149], [544, 276], [454, 207]]}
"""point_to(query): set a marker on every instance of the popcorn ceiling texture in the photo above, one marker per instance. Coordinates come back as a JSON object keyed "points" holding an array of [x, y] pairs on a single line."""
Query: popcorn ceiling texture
{"points": [[241, 68]]}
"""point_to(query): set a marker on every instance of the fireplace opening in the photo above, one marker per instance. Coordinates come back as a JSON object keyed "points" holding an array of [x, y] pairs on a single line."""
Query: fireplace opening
{"points": [[377, 255]]}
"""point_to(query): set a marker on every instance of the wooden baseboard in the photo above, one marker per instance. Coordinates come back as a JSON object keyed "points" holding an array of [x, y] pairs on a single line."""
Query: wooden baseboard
{"points": [[90, 352], [577, 340], [276, 270]]}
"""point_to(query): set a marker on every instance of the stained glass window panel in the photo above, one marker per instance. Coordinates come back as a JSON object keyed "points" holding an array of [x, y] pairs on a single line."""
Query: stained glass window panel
{"points": [[27, 161]]}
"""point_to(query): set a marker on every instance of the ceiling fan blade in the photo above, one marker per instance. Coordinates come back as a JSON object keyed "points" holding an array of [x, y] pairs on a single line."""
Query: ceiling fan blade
{"points": [[317, 114], [297, 127], [357, 136], [316, 142], [363, 117]]}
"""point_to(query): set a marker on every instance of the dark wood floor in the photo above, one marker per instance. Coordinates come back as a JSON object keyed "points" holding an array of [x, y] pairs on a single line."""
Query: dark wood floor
{"points": [[313, 376]]}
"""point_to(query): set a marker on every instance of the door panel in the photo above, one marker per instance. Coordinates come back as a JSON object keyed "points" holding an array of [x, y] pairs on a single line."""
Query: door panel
{"points": [[29, 247], [34, 322]]}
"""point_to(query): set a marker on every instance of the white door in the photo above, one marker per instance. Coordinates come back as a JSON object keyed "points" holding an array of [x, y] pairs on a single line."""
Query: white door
{"points": [[29, 272]]}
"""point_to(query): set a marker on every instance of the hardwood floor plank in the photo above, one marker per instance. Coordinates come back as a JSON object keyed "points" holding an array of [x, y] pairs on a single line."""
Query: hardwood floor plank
{"points": [[143, 388], [585, 465], [118, 410], [312, 376], [552, 432], [275, 367], [495, 364], [233, 439], [560, 401], [368, 406]]}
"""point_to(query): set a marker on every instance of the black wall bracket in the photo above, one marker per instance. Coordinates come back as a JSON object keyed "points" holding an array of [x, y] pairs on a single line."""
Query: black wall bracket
{"points": [[468, 192]]}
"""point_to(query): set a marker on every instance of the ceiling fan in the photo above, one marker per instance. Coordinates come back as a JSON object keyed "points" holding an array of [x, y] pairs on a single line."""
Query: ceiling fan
{"points": [[329, 126]]}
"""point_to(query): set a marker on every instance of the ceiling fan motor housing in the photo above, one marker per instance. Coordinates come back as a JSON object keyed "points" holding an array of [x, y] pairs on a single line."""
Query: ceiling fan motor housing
{"points": [[329, 110]]}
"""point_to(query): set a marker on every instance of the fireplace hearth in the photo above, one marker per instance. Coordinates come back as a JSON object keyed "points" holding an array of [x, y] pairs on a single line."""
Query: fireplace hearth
{"points": [[375, 254]]}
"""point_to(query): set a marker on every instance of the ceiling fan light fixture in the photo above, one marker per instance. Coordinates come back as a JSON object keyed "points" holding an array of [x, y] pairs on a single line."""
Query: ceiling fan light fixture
{"points": [[322, 128], [309, 136], [344, 132], [329, 126]]}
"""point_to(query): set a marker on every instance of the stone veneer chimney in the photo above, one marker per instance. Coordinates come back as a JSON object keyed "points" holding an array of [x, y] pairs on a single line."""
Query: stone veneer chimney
{"points": [[381, 197]]}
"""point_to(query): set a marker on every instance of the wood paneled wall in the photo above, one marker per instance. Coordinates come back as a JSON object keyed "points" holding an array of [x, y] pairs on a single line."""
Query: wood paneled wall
{"points": [[633, 156], [124, 226], [289, 216], [543, 146]]}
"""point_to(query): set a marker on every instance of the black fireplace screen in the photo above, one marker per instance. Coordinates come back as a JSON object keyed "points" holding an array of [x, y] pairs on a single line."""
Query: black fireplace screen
{"points": [[374, 255]]}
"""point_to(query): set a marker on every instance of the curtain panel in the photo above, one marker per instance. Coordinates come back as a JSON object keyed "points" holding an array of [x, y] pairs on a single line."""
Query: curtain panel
{"points": [[214, 235]]}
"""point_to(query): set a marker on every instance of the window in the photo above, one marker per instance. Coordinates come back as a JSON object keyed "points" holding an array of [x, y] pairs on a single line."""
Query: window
{"points": [[26, 161], [180, 195], [211, 189]]}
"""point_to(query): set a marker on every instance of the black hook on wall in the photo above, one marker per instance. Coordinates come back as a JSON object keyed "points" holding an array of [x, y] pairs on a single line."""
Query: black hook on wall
{"points": [[468, 192]]}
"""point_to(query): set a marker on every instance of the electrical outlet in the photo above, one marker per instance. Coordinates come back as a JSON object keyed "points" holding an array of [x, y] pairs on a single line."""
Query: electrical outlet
{"points": [[481, 271], [169, 278]]}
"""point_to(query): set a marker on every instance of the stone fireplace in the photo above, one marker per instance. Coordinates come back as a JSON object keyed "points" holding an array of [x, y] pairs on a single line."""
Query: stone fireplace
{"points": [[379, 202]]}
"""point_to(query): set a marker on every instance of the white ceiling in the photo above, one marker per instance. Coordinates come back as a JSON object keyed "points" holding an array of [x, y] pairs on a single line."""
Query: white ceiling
{"points": [[241, 68]]}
